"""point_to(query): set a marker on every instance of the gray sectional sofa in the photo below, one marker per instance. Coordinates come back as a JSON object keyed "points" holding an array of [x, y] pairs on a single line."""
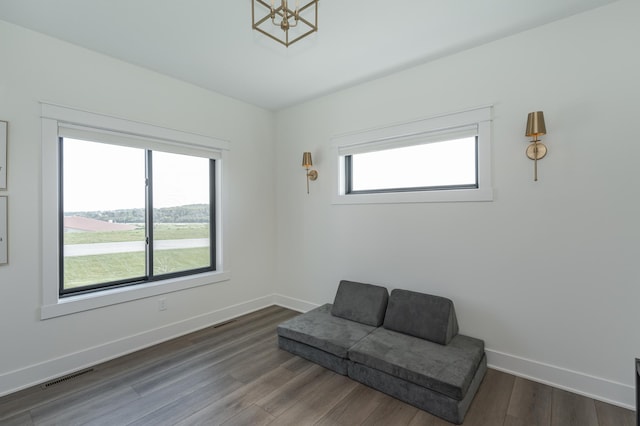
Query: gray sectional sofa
{"points": [[406, 345]]}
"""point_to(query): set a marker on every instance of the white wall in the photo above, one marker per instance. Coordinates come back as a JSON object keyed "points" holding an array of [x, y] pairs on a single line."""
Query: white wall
{"points": [[547, 273], [36, 67]]}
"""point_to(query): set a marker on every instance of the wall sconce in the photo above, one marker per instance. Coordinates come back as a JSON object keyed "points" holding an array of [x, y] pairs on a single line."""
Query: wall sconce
{"points": [[307, 163], [536, 149]]}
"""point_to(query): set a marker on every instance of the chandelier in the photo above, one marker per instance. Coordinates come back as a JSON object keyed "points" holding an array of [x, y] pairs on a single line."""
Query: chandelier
{"points": [[282, 24]]}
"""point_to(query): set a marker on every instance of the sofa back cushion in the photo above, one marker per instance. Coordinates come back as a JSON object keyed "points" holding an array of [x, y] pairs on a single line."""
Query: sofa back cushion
{"points": [[363, 303], [421, 315]]}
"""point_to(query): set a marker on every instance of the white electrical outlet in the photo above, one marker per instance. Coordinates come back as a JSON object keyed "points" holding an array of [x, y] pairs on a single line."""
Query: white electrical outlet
{"points": [[162, 304]]}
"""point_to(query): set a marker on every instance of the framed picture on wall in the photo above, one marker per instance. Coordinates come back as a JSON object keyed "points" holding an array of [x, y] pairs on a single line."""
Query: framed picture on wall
{"points": [[3, 155], [3, 231]]}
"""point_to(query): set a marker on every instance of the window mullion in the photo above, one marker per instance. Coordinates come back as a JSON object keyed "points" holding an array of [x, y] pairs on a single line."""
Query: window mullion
{"points": [[213, 208], [61, 215], [149, 213]]}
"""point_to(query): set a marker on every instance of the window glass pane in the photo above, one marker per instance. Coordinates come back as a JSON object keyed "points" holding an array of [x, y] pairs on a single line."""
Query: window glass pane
{"points": [[103, 189], [439, 164], [181, 214]]}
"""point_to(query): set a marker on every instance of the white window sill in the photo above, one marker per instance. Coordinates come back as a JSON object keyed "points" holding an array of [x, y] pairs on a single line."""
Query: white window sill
{"points": [[86, 302]]}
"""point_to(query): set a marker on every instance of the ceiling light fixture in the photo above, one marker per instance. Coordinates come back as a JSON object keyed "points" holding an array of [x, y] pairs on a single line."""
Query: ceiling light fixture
{"points": [[286, 19]]}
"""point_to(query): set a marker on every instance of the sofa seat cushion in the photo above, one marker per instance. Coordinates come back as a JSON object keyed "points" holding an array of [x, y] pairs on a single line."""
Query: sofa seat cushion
{"points": [[365, 303], [445, 369], [319, 329]]}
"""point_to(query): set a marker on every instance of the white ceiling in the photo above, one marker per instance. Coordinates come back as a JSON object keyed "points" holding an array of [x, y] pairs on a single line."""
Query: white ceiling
{"points": [[211, 44]]}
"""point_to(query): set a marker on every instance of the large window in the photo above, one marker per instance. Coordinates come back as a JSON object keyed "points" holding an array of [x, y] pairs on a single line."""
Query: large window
{"points": [[438, 159], [132, 215], [129, 210]]}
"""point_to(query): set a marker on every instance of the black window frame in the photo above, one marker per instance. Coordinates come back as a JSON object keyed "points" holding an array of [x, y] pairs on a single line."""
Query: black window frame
{"points": [[149, 238], [348, 181]]}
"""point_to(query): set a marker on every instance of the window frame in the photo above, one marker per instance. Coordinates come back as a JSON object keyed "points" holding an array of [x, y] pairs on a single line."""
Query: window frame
{"points": [[444, 127], [57, 120], [348, 180], [149, 276]]}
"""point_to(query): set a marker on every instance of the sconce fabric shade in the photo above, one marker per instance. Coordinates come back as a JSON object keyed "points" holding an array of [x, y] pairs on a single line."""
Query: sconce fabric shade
{"points": [[536, 149], [306, 160], [535, 124]]}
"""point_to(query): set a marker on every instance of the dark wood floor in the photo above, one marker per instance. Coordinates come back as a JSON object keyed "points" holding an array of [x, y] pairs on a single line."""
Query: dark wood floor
{"points": [[235, 374]]}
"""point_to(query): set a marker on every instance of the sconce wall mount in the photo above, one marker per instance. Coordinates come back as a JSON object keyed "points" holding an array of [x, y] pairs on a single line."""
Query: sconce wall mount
{"points": [[307, 162], [536, 149]]}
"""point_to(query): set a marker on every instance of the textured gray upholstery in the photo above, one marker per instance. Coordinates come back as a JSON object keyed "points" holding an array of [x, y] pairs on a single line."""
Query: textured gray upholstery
{"points": [[364, 303], [321, 330], [325, 359], [450, 409], [421, 315], [417, 355], [444, 369]]}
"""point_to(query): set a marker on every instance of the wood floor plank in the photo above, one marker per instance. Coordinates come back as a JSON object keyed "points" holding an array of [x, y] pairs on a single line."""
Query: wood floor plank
{"points": [[244, 324], [354, 408], [297, 364], [610, 415], [318, 403], [37, 396], [81, 408], [570, 409], [422, 418], [253, 415], [268, 358], [223, 346], [20, 419], [391, 412], [218, 360], [489, 407], [530, 404], [154, 405], [222, 409], [300, 386], [183, 407]]}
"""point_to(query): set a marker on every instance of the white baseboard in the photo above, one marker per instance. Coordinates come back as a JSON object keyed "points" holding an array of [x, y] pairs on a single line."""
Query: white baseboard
{"points": [[23, 378], [294, 304], [598, 388], [605, 390]]}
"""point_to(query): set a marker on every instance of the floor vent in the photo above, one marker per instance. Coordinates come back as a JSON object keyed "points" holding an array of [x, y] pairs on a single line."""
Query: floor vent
{"points": [[66, 378], [222, 324]]}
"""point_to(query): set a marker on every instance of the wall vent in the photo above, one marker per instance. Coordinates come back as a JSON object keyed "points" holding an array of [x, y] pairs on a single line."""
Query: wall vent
{"points": [[66, 378]]}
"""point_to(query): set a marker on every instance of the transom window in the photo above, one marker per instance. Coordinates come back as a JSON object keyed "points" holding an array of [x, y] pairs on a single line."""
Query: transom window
{"points": [[437, 159], [450, 164]]}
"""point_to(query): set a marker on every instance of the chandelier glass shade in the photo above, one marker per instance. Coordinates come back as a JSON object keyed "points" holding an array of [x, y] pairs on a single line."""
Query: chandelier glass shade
{"points": [[283, 24]]}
